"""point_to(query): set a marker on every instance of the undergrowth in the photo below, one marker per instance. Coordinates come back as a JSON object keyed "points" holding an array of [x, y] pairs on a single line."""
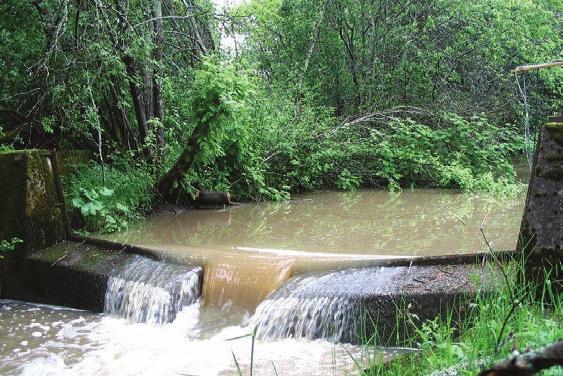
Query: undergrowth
{"points": [[265, 150], [447, 347], [107, 198]]}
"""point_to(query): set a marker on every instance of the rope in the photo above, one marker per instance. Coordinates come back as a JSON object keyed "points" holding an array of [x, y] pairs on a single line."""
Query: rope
{"points": [[527, 134]]}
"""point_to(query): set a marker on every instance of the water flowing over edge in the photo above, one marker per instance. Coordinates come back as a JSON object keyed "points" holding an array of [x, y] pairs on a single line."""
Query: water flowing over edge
{"points": [[311, 318], [150, 291]]}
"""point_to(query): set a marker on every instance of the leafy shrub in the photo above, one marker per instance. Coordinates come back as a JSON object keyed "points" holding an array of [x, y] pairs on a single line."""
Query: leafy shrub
{"points": [[108, 198], [347, 181], [267, 148], [469, 154], [9, 245], [100, 211]]}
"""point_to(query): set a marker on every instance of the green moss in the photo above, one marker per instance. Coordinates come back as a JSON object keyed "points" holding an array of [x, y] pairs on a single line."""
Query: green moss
{"points": [[51, 254], [29, 204], [81, 257]]}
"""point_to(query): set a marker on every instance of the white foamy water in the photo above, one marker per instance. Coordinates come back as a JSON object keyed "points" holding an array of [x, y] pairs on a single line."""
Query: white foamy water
{"points": [[150, 291], [294, 317], [197, 342]]}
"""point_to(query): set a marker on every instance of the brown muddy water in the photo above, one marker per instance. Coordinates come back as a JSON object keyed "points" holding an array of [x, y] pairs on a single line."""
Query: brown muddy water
{"points": [[250, 250], [247, 252]]}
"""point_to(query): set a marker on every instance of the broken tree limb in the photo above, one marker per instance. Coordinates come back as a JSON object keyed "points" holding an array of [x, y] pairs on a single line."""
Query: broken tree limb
{"points": [[170, 187], [206, 198], [526, 68], [529, 363]]}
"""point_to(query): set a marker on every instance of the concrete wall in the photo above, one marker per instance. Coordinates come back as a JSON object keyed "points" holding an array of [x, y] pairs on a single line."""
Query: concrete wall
{"points": [[30, 207], [541, 233]]}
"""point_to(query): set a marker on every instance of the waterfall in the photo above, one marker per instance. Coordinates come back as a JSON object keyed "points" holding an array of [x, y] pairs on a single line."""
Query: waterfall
{"points": [[301, 308], [323, 317], [327, 305], [149, 291]]}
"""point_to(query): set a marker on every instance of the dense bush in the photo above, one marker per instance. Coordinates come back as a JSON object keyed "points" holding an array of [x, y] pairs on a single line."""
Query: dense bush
{"points": [[108, 197]]}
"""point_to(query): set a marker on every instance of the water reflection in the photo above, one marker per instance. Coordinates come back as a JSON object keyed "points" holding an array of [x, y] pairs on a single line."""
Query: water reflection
{"points": [[417, 222], [249, 251]]}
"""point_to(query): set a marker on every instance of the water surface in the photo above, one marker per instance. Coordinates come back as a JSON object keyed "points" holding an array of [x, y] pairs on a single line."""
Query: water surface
{"points": [[47, 340], [250, 250], [247, 252], [411, 223]]}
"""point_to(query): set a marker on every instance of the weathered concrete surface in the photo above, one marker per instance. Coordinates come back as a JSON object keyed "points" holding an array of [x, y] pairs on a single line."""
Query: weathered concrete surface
{"points": [[30, 207], [71, 161], [29, 201], [70, 274], [388, 298], [541, 232]]}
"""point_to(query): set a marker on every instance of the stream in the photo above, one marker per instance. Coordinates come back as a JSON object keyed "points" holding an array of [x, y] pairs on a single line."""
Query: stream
{"points": [[155, 323]]}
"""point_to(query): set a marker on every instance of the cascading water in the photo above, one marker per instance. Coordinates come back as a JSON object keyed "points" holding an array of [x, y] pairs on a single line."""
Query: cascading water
{"points": [[330, 318], [150, 291], [299, 309]]}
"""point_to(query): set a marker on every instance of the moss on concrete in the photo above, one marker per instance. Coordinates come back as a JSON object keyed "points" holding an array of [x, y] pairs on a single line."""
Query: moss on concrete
{"points": [[28, 200], [73, 160], [29, 208], [70, 274]]}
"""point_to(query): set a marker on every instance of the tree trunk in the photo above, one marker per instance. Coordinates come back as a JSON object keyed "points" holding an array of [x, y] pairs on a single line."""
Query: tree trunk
{"points": [[135, 91], [132, 76], [170, 187], [158, 105], [529, 363]]}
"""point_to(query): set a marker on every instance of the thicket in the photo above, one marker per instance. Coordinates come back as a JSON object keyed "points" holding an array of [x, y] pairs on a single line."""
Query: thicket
{"points": [[315, 94]]}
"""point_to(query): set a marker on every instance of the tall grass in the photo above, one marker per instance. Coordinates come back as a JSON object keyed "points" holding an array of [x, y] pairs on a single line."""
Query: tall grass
{"points": [[513, 318]]}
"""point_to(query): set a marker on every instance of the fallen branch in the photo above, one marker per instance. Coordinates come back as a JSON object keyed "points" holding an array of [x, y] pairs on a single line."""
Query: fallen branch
{"points": [[529, 363], [526, 68], [206, 198]]}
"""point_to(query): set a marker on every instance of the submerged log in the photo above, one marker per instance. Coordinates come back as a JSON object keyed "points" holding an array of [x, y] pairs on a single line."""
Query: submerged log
{"points": [[205, 198]]}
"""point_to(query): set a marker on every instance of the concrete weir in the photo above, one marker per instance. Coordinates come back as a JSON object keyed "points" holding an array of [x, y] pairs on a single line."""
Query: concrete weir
{"points": [[82, 275], [384, 297], [351, 304]]}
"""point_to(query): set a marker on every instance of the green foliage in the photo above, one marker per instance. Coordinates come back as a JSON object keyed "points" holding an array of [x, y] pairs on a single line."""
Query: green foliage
{"points": [[451, 152], [277, 126], [9, 245], [264, 147], [463, 348], [99, 211], [347, 181], [444, 55], [223, 95], [110, 205], [461, 153]]}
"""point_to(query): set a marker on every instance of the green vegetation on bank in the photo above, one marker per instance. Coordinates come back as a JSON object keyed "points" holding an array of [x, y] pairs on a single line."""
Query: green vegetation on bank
{"points": [[450, 348], [313, 95]]}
